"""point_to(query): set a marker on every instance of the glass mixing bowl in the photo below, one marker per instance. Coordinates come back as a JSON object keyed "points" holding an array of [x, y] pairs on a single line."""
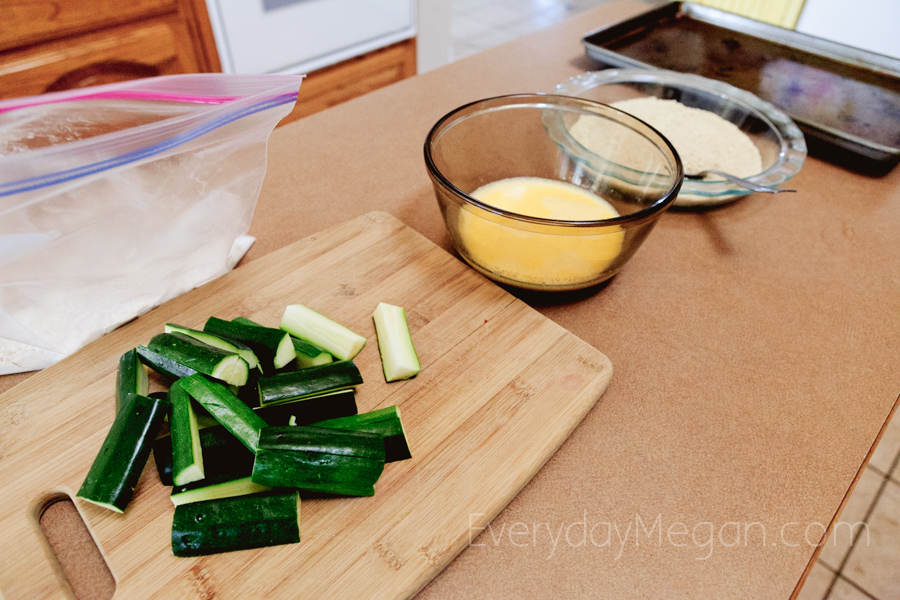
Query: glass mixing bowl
{"points": [[518, 138]]}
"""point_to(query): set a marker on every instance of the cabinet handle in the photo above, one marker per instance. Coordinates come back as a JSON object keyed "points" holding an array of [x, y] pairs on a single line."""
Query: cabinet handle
{"points": [[102, 72]]}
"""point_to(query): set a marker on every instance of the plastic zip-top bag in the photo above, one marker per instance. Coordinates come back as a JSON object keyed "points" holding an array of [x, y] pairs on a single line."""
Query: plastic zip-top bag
{"points": [[117, 198]]}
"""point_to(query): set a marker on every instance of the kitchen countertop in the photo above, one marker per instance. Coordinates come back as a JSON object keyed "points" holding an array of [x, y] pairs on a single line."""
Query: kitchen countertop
{"points": [[754, 349]]}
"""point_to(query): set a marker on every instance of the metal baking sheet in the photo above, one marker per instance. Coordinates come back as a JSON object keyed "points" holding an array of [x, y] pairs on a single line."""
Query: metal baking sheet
{"points": [[843, 97]]}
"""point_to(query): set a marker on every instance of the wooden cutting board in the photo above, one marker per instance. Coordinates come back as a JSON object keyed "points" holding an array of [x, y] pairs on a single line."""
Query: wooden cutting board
{"points": [[501, 388]]}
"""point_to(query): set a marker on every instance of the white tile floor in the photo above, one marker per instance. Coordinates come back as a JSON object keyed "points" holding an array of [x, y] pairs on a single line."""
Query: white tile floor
{"points": [[862, 564], [480, 24]]}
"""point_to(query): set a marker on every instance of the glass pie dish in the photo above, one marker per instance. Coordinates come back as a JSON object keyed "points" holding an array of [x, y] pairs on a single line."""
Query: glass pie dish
{"points": [[780, 142]]}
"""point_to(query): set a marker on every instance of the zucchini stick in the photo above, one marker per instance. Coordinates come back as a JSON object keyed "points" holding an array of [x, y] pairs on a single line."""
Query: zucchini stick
{"points": [[203, 358], [308, 355], [116, 469], [226, 408], [305, 323], [398, 356], [187, 453], [218, 341], [131, 378], [385, 422], [237, 523], [272, 346], [314, 459], [225, 489], [307, 383]]}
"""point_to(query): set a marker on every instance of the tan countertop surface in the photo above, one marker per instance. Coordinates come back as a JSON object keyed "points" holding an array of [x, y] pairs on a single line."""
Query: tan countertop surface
{"points": [[755, 352]]}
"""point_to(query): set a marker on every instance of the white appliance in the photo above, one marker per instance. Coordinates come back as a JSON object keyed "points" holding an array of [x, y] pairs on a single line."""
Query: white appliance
{"points": [[299, 36]]}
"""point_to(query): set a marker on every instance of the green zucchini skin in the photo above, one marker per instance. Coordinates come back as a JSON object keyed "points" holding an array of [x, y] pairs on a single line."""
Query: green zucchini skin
{"points": [[187, 452], [266, 342], [294, 385], [246, 321], [131, 377], [385, 422], [116, 469], [308, 354], [194, 354], [314, 459], [163, 365], [236, 523], [226, 408], [224, 458], [306, 411], [217, 341]]}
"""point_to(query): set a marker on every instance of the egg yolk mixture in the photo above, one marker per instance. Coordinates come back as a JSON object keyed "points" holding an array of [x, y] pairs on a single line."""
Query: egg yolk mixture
{"points": [[540, 258]]}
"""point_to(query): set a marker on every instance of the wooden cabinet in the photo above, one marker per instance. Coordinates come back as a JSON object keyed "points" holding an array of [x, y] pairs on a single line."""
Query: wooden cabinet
{"points": [[354, 77], [48, 46], [53, 45]]}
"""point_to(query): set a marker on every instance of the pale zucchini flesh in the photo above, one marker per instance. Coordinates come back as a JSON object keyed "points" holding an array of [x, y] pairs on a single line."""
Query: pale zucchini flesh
{"points": [[131, 377], [310, 355], [226, 489], [232, 369], [398, 356], [315, 328], [187, 453]]}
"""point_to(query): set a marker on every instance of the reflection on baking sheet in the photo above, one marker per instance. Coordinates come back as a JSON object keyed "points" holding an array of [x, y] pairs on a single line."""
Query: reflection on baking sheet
{"points": [[821, 97], [842, 96]]}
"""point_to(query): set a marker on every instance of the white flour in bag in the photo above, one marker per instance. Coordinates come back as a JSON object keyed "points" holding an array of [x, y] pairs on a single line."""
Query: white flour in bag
{"points": [[181, 226], [84, 324], [120, 197]]}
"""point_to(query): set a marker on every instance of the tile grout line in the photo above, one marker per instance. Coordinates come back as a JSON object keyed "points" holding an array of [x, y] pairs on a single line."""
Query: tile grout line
{"points": [[871, 509], [856, 587]]}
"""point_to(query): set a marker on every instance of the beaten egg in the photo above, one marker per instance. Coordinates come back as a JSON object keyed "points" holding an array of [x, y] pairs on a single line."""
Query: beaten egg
{"points": [[541, 258]]}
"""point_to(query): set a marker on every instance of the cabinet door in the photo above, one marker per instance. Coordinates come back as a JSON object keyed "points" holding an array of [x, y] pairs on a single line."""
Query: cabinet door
{"points": [[32, 21], [152, 47], [351, 78]]}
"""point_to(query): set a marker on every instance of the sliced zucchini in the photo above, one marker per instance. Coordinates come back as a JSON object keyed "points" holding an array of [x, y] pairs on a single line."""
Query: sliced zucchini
{"points": [[224, 457], [225, 489], [314, 459], [306, 411], [218, 341], [202, 358], [131, 377], [273, 348], [116, 469], [385, 422], [163, 365], [334, 338], [187, 453], [309, 382], [226, 408], [308, 355], [237, 523], [398, 356], [246, 321]]}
